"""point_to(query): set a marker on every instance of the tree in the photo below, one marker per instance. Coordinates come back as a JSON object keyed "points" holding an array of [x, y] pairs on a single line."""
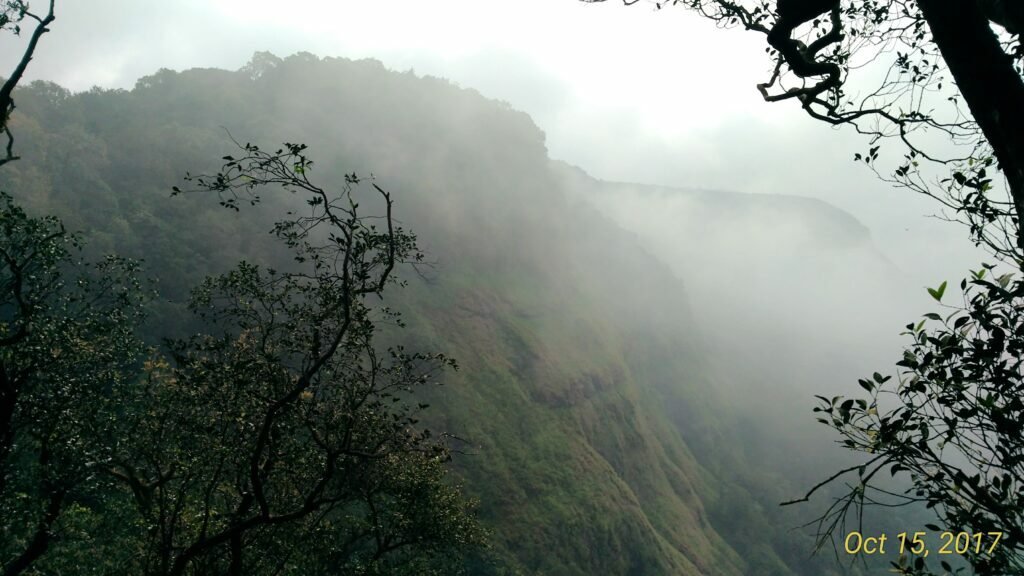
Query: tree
{"points": [[952, 420], [12, 14], [66, 338], [287, 442], [821, 47]]}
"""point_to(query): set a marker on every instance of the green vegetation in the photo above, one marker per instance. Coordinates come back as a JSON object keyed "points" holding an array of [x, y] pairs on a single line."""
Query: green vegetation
{"points": [[586, 418], [285, 441], [66, 339]]}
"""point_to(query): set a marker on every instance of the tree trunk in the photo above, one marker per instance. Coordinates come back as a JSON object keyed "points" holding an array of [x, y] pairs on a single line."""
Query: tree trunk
{"points": [[235, 569], [993, 90], [8, 399]]}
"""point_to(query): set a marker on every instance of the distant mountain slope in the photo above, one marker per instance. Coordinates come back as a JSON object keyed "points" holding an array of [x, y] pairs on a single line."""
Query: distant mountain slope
{"points": [[791, 294], [597, 435]]}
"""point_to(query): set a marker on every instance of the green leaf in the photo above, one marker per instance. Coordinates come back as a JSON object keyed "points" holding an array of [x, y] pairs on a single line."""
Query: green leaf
{"points": [[937, 293]]}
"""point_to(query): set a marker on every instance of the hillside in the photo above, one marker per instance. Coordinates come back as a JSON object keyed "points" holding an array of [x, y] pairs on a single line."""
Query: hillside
{"points": [[597, 430], [792, 285]]}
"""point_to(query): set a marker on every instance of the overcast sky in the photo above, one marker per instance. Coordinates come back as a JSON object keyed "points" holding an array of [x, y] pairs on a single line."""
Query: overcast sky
{"points": [[626, 93]]}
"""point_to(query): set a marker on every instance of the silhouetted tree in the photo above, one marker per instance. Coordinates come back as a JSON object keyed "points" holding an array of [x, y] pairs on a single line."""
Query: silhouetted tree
{"points": [[932, 57], [66, 338], [12, 14], [287, 442], [952, 421]]}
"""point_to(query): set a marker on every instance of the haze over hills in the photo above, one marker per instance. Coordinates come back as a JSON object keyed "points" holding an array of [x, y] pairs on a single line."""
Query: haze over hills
{"points": [[614, 349], [792, 284]]}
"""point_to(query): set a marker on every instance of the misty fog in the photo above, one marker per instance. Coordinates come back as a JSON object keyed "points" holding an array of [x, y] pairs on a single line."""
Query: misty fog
{"points": [[672, 204]]}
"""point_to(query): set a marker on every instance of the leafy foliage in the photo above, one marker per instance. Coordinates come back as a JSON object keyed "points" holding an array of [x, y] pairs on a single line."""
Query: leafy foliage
{"points": [[286, 443], [290, 425], [12, 12], [953, 421], [66, 340]]}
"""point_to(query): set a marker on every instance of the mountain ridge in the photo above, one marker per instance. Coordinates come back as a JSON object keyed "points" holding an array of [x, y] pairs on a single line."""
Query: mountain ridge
{"points": [[592, 411]]}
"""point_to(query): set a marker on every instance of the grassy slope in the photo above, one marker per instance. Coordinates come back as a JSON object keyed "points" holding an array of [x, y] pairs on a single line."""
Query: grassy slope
{"points": [[566, 445]]}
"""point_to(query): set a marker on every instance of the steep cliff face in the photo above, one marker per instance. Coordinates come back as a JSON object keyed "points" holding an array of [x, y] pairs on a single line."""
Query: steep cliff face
{"points": [[577, 467], [593, 426], [792, 298]]}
